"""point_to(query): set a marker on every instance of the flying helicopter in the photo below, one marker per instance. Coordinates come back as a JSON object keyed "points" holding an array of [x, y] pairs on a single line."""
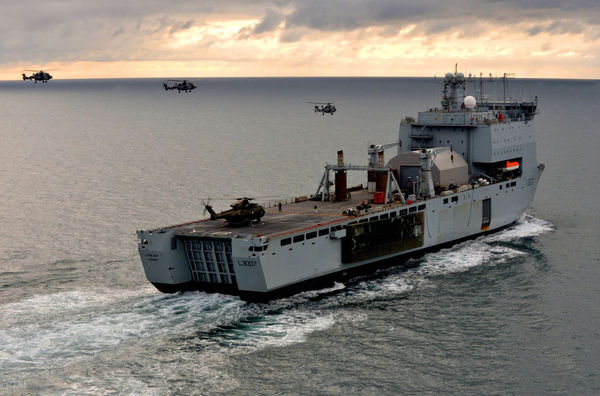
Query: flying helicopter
{"points": [[38, 76], [242, 212], [180, 85], [326, 107]]}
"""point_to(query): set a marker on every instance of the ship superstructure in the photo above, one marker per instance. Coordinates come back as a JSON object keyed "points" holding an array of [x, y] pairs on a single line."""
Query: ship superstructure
{"points": [[466, 168]]}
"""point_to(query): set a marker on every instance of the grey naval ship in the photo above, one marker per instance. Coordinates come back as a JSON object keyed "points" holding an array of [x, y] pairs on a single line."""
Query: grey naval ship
{"points": [[463, 169]]}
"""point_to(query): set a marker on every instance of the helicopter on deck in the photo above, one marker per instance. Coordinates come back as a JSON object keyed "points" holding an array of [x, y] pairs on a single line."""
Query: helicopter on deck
{"points": [[38, 76], [242, 212], [180, 85], [326, 107]]}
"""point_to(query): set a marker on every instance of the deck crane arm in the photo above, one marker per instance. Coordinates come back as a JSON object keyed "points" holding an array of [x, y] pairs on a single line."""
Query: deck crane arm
{"points": [[375, 149]]}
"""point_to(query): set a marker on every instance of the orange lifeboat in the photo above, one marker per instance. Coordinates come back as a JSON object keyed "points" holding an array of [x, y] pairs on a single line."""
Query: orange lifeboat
{"points": [[511, 166]]}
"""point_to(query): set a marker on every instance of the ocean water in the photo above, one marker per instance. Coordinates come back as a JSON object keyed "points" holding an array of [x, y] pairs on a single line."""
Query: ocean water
{"points": [[84, 163]]}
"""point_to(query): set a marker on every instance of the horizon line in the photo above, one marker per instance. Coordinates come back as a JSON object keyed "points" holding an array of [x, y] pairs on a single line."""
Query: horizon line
{"points": [[300, 76]]}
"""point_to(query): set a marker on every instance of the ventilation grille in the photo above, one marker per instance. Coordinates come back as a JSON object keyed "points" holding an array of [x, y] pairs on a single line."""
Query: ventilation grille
{"points": [[210, 260]]}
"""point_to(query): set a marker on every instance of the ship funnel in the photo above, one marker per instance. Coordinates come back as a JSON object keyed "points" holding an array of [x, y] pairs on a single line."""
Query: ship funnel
{"points": [[340, 158], [341, 187]]}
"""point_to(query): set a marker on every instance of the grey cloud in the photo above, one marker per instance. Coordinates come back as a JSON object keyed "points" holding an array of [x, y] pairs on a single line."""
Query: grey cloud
{"points": [[544, 5], [439, 27], [558, 27], [41, 32], [292, 35], [340, 15], [390, 31], [344, 15], [177, 26], [535, 30], [270, 21], [119, 31], [61, 30]]}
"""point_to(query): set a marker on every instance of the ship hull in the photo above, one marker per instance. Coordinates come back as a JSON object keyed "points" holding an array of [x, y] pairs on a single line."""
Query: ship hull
{"points": [[284, 269], [320, 282]]}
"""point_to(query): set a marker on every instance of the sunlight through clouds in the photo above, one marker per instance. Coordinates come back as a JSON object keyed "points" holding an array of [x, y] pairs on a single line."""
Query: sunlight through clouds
{"points": [[212, 31], [302, 38]]}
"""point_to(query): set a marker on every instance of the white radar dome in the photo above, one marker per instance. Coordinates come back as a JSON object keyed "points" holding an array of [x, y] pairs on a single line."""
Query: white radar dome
{"points": [[470, 102], [448, 76], [460, 77]]}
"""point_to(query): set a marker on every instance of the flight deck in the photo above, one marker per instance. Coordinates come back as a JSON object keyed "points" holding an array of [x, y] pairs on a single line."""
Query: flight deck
{"points": [[293, 217]]}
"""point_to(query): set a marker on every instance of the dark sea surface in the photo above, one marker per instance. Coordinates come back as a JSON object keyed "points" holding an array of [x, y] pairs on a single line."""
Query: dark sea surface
{"points": [[84, 163]]}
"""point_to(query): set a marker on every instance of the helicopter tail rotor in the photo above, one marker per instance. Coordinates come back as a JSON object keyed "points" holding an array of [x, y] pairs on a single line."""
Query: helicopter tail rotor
{"points": [[207, 206]]}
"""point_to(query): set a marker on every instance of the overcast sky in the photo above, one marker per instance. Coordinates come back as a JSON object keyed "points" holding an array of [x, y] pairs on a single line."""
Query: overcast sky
{"points": [[157, 38]]}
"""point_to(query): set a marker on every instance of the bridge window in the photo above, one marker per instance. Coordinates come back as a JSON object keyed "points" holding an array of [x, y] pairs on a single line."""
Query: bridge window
{"points": [[311, 235], [454, 199], [403, 212], [421, 207], [412, 209], [298, 238], [286, 241]]}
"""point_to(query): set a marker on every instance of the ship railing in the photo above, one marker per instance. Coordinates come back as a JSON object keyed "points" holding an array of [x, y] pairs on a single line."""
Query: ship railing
{"points": [[283, 201]]}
